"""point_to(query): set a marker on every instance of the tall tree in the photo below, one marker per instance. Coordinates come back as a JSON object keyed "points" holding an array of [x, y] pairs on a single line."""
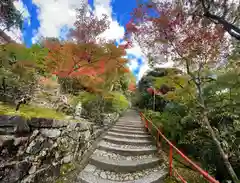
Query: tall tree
{"points": [[9, 15], [97, 63], [164, 29], [88, 26]]}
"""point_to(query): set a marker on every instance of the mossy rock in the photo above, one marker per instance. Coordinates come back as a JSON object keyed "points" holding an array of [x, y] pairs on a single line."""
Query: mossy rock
{"points": [[29, 112], [66, 168]]}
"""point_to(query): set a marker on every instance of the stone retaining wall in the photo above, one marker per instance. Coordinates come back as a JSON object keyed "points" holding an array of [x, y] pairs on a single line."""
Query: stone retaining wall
{"points": [[35, 150]]}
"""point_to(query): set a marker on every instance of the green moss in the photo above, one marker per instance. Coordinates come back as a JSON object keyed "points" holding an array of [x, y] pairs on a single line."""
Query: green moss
{"points": [[28, 112], [59, 181], [190, 175], [66, 168], [170, 180]]}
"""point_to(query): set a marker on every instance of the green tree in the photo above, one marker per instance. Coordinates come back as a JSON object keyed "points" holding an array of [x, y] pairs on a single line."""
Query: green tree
{"points": [[173, 34], [20, 67]]}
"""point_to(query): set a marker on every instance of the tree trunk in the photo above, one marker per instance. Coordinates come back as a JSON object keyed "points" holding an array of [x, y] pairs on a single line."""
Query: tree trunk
{"points": [[214, 138], [220, 149]]}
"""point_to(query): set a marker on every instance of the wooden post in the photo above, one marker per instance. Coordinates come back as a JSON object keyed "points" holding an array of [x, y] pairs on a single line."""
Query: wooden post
{"points": [[146, 124]]}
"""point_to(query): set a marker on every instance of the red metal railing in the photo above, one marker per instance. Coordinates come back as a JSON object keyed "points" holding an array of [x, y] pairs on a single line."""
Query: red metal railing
{"points": [[173, 172]]}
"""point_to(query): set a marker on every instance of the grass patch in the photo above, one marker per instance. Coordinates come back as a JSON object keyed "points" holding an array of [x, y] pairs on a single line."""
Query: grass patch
{"points": [[28, 112]]}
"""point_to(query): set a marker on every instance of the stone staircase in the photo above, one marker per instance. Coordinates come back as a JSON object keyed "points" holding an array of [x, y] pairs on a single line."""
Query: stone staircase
{"points": [[126, 154]]}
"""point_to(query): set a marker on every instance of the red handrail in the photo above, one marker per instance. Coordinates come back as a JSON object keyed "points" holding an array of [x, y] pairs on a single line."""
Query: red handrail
{"points": [[172, 147]]}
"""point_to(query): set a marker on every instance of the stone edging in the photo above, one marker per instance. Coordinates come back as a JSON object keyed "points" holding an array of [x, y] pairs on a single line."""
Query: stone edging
{"points": [[80, 164]]}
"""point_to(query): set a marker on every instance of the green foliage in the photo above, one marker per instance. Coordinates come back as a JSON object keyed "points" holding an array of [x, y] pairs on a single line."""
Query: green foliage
{"points": [[183, 123], [31, 58], [169, 121], [28, 112], [94, 105], [19, 70], [116, 102], [70, 85], [84, 98]]}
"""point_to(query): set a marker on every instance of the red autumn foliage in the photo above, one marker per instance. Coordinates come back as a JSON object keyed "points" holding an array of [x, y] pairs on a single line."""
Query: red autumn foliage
{"points": [[175, 34], [88, 27], [132, 86]]}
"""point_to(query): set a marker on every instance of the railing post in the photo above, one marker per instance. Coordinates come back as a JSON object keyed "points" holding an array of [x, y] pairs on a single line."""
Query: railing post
{"points": [[158, 139], [170, 159], [146, 124], [150, 127], [172, 171]]}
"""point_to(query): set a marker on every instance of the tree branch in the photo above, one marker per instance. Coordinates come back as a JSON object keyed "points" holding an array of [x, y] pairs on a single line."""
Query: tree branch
{"points": [[229, 27]]}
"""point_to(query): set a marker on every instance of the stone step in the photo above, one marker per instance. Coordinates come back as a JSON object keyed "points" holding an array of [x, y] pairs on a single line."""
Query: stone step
{"points": [[129, 128], [130, 141], [133, 120], [115, 156], [126, 150], [93, 175], [129, 121], [108, 164], [121, 135], [137, 126], [140, 132]]}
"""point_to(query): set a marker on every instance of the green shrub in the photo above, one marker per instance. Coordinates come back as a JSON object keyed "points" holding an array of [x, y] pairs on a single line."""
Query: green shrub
{"points": [[70, 85], [84, 98], [15, 84], [169, 121], [95, 105], [116, 102]]}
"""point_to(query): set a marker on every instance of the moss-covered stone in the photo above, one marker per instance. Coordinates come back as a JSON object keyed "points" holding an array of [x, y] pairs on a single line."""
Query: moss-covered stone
{"points": [[28, 112], [66, 168]]}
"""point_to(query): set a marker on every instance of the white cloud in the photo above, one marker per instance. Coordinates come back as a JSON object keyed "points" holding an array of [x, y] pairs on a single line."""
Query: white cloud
{"points": [[102, 7], [143, 69], [137, 52], [133, 64], [115, 31], [15, 34], [53, 15]]}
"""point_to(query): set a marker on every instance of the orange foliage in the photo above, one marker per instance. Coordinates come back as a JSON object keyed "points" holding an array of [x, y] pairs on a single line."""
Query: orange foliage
{"points": [[132, 87], [96, 62]]}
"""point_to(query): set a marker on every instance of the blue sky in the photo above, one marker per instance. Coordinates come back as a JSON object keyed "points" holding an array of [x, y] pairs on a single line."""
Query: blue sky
{"points": [[53, 18]]}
